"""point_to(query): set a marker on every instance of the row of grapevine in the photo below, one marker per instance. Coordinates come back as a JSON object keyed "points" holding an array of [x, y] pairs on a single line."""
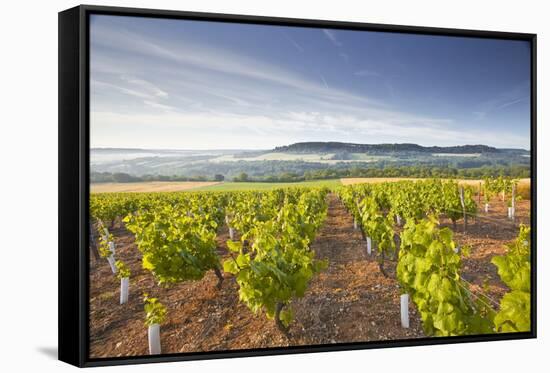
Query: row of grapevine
{"points": [[176, 234], [429, 263], [411, 200], [429, 270], [271, 259], [279, 263], [505, 187], [514, 269]]}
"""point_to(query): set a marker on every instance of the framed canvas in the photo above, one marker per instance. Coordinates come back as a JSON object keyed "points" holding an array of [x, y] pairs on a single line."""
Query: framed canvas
{"points": [[235, 186]]}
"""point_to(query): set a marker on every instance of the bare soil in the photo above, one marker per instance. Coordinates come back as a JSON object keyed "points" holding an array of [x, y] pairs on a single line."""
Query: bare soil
{"points": [[486, 235], [351, 301]]}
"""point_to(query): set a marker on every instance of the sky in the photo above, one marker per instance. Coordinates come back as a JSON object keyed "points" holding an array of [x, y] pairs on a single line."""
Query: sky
{"points": [[180, 84]]}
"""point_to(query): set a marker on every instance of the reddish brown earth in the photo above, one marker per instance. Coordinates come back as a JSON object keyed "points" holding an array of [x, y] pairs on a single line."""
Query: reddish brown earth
{"points": [[487, 236], [351, 301]]}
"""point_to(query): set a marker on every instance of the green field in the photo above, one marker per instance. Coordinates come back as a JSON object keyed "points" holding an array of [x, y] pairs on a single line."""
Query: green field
{"points": [[236, 186]]}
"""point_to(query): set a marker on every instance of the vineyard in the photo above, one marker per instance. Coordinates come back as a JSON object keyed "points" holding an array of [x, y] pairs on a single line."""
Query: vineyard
{"points": [[200, 271]]}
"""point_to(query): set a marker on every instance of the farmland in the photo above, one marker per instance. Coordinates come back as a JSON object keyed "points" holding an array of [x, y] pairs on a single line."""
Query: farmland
{"points": [[148, 187], [194, 186], [343, 290], [308, 161], [176, 186]]}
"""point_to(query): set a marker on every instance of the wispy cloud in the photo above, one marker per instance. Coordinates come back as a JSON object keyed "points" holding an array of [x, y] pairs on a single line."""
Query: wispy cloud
{"points": [[156, 105], [144, 85], [182, 93], [324, 81], [203, 131], [513, 96], [294, 43], [510, 103], [331, 36], [216, 59], [97, 85], [239, 85]]}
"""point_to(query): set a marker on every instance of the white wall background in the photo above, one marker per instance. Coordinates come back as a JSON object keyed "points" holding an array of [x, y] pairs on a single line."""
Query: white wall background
{"points": [[28, 188]]}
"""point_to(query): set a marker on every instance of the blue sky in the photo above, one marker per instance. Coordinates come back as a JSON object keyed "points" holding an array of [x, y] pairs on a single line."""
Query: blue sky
{"points": [[175, 84]]}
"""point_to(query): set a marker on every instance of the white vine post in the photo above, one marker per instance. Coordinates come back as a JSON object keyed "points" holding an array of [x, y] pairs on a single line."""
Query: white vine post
{"points": [[405, 310], [124, 287], [355, 223], [111, 260], [486, 207], [479, 195], [154, 339], [369, 245], [398, 218], [231, 229]]}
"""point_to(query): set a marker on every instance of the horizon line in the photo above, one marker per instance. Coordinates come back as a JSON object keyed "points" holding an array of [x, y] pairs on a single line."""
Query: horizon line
{"points": [[300, 142]]}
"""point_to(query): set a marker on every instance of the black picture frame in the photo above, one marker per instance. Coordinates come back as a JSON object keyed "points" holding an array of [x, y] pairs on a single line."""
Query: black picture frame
{"points": [[74, 182]]}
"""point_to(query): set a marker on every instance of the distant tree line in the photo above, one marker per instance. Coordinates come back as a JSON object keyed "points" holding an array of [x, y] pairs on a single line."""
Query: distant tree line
{"points": [[332, 147], [516, 171], [122, 177], [400, 171]]}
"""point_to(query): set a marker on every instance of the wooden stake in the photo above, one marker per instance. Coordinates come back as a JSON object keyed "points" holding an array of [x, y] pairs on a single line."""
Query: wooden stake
{"points": [[478, 201], [513, 201], [479, 195], [463, 207], [93, 243]]}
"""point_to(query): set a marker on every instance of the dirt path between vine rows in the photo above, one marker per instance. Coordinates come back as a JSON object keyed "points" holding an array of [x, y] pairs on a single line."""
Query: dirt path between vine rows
{"points": [[351, 301]]}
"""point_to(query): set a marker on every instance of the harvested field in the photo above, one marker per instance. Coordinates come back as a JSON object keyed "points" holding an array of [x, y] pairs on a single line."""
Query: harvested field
{"points": [[153, 186]]}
